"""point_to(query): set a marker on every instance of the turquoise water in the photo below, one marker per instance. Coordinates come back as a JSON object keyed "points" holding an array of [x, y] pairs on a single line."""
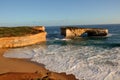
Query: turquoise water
{"points": [[88, 58]]}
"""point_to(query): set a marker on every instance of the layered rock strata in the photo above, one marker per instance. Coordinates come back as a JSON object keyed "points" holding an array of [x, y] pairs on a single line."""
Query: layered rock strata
{"points": [[71, 32], [19, 41]]}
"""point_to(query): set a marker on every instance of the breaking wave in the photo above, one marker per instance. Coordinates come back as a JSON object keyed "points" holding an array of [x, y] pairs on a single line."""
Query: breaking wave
{"points": [[85, 62]]}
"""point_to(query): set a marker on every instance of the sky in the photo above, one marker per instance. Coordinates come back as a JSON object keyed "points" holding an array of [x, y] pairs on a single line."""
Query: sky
{"points": [[59, 12]]}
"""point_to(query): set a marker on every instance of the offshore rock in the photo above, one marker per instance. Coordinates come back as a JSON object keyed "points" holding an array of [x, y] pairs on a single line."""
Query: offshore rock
{"points": [[71, 32]]}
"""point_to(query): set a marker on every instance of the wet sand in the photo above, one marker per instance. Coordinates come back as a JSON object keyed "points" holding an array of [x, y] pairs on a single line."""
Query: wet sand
{"points": [[17, 67]]}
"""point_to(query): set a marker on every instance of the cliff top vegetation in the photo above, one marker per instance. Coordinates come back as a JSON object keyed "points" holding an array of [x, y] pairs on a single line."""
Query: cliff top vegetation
{"points": [[17, 31]]}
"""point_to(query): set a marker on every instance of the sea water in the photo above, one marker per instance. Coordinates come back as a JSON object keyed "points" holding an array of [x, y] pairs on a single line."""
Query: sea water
{"points": [[88, 58]]}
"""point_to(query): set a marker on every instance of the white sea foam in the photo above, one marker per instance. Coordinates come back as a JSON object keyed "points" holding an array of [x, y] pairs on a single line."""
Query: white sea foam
{"points": [[65, 39], [109, 35], [19, 53], [25, 52], [85, 62]]}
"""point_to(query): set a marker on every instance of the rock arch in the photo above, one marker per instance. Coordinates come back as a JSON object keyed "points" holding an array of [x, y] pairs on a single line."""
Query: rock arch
{"points": [[71, 32]]}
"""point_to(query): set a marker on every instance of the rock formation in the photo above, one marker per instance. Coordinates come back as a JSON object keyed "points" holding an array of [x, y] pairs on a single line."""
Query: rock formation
{"points": [[71, 32], [41, 28], [19, 41]]}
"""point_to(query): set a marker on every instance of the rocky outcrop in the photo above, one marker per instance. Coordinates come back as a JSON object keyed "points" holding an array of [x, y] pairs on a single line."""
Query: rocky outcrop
{"points": [[71, 32], [41, 28], [9, 42]]}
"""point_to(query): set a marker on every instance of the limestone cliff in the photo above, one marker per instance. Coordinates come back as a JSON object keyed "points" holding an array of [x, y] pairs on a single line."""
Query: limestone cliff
{"points": [[71, 32], [41, 28], [9, 42]]}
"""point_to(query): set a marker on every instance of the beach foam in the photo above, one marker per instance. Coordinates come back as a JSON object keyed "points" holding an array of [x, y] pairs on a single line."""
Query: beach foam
{"points": [[85, 62]]}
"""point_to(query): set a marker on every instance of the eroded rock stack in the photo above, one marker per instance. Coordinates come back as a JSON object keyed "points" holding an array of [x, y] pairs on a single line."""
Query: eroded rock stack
{"points": [[71, 32]]}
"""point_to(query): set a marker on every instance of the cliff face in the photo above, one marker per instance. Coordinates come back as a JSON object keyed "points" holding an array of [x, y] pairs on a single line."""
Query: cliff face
{"points": [[71, 32], [24, 40]]}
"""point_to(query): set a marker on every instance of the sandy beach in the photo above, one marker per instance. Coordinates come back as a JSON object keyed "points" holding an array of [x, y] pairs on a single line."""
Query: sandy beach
{"points": [[17, 69]]}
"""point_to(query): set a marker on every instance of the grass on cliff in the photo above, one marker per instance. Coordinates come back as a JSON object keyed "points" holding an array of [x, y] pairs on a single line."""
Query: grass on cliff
{"points": [[16, 31]]}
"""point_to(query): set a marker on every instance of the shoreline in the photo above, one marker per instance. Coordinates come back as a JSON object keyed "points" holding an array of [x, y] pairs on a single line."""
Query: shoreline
{"points": [[15, 66]]}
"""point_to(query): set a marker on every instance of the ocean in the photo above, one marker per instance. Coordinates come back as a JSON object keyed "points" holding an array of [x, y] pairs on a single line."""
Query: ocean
{"points": [[88, 58]]}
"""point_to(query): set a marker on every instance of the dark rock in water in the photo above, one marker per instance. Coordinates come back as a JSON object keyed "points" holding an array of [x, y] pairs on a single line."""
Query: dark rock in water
{"points": [[71, 32]]}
